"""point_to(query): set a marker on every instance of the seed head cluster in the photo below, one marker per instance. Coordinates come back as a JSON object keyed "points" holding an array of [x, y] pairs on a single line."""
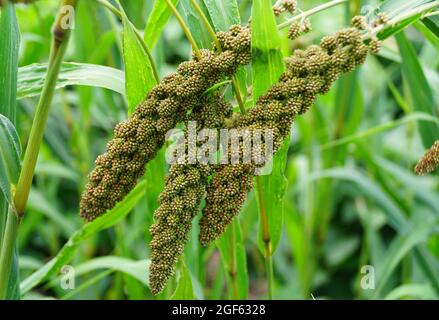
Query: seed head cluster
{"points": [[430, 161], [137, 139], [309, 73], [289, 6], [180, 200], [298, 29]]}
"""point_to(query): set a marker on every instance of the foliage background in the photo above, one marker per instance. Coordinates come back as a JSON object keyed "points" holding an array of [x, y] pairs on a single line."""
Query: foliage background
{"points": [[351, 198]]}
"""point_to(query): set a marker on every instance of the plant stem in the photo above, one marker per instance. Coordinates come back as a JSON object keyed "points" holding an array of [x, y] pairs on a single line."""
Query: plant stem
{"points": [[431, 14], [60, 36], [266, 239], [232, 268], [311, 12], [7, 252], [185, 29], [400, 18]]}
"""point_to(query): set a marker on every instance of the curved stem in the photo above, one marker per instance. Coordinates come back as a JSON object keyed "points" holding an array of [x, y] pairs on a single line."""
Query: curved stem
{"points": [[311, 12], [400, 18], [185, 29]]}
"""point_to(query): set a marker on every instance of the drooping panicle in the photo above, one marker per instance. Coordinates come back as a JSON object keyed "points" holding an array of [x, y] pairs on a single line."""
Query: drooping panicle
{"points": [[309, 73], [429, 161], [137, 139], [180, 200]]}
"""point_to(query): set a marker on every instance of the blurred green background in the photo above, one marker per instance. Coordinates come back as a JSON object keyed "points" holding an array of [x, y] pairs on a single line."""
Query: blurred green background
{"points": [[351, 198]]}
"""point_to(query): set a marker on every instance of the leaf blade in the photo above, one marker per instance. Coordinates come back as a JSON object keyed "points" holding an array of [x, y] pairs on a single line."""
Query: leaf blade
{"points": [[267, 66], [156, 22], [138, 69], [420, 91]]}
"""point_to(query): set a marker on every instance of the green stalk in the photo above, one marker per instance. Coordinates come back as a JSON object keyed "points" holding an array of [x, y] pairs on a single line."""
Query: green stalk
{"points": [[400, 18], [266, 238], [307, 14], [59, 43], [7, 252], [58, 48], [185, 29], [232, 266]]}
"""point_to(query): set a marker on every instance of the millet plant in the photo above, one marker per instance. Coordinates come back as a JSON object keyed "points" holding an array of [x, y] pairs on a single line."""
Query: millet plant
{"points": [[262, 74]]}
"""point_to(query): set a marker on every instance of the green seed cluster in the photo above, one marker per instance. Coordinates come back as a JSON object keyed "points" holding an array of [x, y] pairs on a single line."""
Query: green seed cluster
{"points": [[180, 200], [137, 139], [430, 161], [309, 73]]}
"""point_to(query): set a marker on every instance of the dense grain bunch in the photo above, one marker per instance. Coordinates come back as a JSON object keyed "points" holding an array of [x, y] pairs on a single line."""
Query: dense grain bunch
{"points": [[309, 73], [180, 200], [430, 161], [137, 139]]}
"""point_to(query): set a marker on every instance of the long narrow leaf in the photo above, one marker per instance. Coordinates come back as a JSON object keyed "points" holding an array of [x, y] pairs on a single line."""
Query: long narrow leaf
{"points": [[67, 253], [420, 91], [31, 78], [157, 21], [267, 66], [138, 68]]}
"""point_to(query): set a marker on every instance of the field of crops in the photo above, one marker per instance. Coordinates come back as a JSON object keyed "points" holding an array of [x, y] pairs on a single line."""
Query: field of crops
{"points": [[92, 207]]}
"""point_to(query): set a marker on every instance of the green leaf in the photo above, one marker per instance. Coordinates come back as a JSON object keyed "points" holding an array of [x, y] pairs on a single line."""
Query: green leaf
{"points": [[267, 66], [196, 27], [156, 22], [31, 78], [415, 116], [410, 181], [138, 69], [68, 251], [267, 61], [273, 190], [223, 13], [395, 216], [9, 46], [400, 6], [420, 91], [9, 144], [412, 291], [10, 151], [136, 269], [184, 290], [399, 248], [432, 23], [233, 243], [394, 8]]}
